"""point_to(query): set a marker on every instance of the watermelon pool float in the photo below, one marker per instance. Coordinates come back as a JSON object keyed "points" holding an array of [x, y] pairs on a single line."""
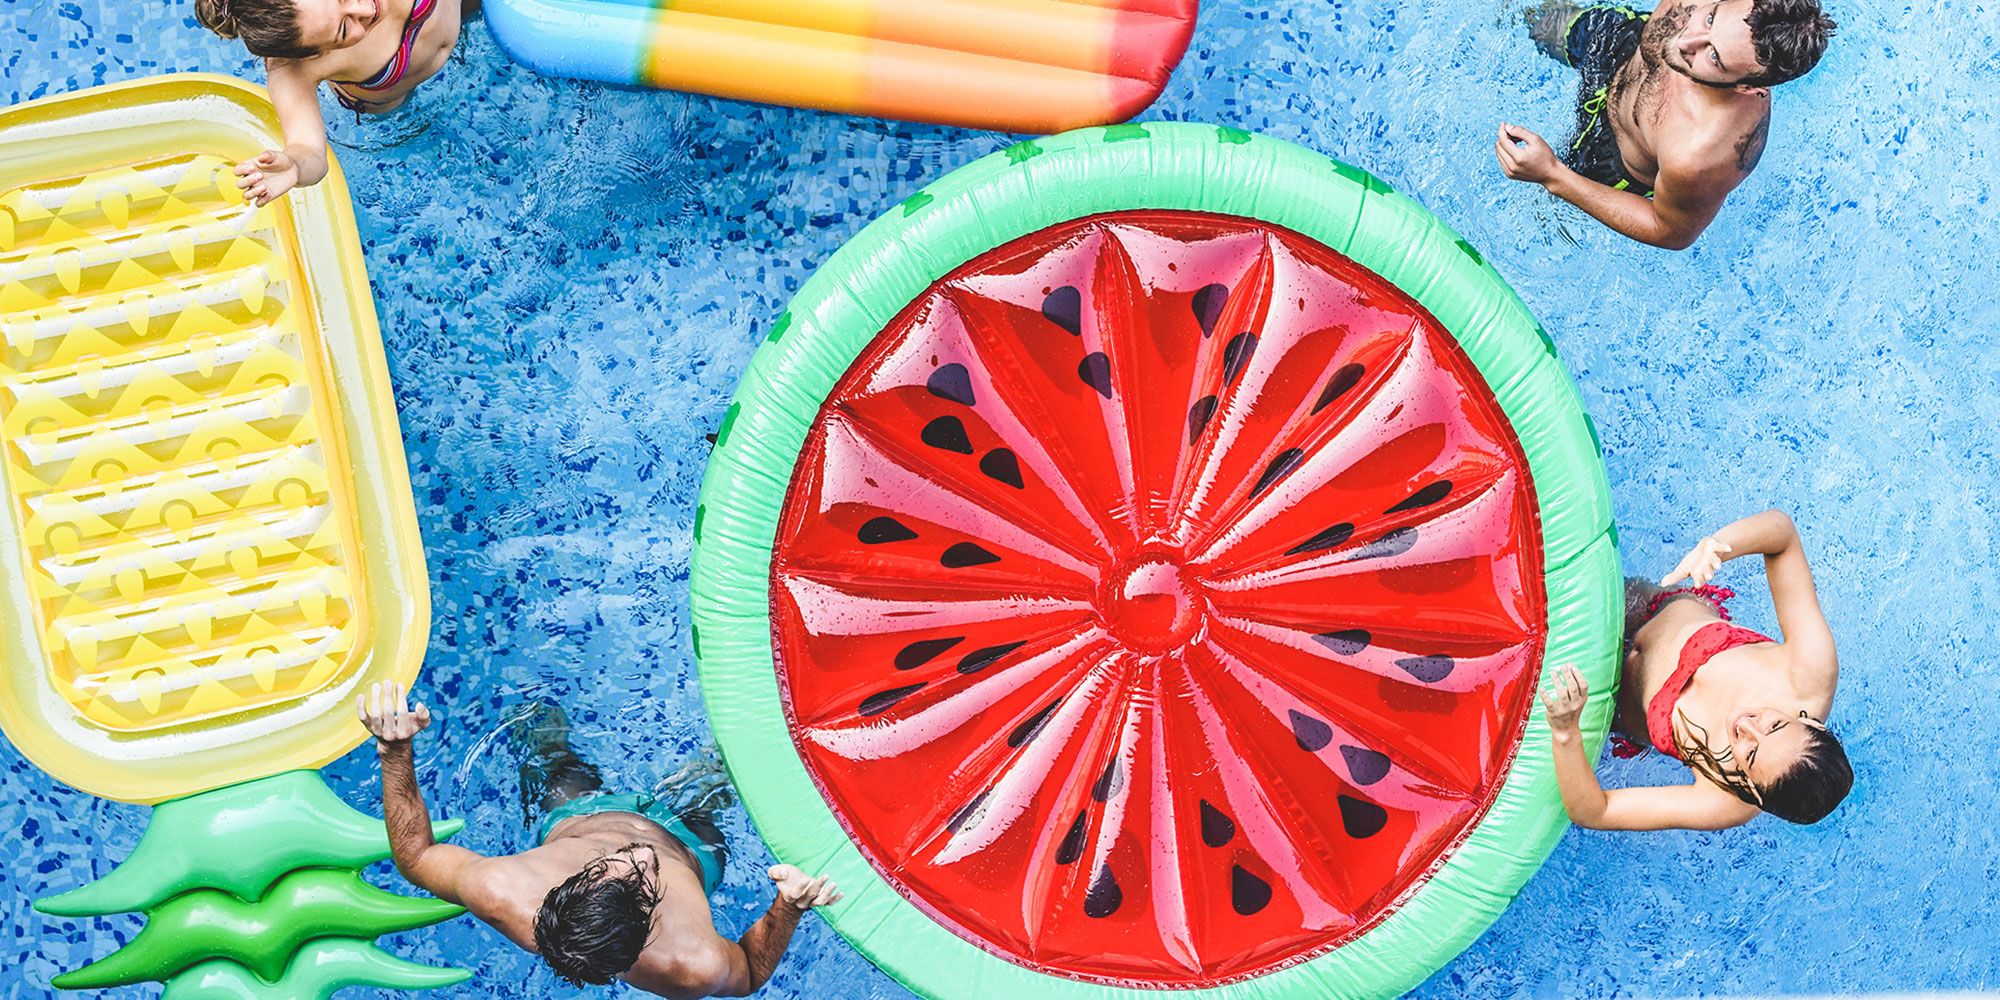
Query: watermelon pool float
{"points": [[1128, 567]]}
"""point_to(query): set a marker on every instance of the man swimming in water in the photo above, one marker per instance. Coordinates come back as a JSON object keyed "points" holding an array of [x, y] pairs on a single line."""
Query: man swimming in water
{"points": [[1674, 110], [618, 888]]}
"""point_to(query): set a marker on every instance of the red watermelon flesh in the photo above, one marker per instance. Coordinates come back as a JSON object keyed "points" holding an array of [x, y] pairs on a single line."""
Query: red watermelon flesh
{"points": [[1159, 598]]}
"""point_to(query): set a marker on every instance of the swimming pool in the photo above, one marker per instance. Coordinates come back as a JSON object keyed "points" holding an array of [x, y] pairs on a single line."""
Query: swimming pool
{"points": [[571, 279]]}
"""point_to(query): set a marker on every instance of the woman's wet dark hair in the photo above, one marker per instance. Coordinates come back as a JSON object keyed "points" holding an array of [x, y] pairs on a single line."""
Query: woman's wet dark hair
{"points": [[1815, 785], [1790, 36], [593, 927], [1805, 794], [268, 28]]}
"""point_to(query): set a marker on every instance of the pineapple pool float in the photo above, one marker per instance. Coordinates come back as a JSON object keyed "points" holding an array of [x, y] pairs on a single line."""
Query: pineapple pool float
{"points": [[208, 546]]}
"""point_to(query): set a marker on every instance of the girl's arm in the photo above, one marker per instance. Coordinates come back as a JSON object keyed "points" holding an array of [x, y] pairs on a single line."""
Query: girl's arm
{"points": [[1771, 534], [303, 162], [1699, 806]]}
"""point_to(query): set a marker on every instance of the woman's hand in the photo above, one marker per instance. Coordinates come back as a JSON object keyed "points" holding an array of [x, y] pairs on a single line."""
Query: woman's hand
{"points": [[268, 177], [386, 712], [800, 893], [1700, 564], [1564, 700]]}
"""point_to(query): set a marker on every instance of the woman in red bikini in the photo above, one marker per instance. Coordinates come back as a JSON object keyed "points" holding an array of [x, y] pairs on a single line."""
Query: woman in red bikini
{"points": [[372, 52], [1746, 713]]}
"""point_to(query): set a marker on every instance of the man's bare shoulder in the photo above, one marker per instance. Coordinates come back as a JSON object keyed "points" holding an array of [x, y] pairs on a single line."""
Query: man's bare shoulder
{"points": [[506, 892], [1725, 144], [686, 964]]}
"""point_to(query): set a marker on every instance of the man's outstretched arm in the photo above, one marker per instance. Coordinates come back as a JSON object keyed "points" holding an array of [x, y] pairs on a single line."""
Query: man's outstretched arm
{"points": [[742, 967], [1684, 202], [433, 867]]}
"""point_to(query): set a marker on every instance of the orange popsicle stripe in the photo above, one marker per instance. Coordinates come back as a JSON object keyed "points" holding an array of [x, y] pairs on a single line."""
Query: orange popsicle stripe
{"points": [[1015, 65]]}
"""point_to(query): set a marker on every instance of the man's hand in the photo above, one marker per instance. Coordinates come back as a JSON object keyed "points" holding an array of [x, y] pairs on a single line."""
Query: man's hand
{"points": [[1700, 565], [267, 178], [1524, 156], [801, 893], [1564, 700], [386, 712]]}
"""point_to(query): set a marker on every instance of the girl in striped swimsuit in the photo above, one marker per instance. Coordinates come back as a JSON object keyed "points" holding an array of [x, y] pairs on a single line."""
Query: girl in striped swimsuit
{"points": [[372, 52]]}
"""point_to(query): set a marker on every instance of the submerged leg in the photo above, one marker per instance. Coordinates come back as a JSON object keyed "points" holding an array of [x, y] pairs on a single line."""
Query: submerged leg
{"points": [[1549, 23], [1639, 595], [552, 774], [701, 785]]}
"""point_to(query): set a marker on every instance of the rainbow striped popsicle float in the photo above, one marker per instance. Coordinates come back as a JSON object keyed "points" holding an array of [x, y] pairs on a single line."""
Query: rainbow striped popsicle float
{"points": [[1010, 65]]}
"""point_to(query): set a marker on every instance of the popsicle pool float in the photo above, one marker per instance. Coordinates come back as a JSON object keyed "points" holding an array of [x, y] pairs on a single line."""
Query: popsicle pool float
{"points": [[1012, 65], [1127, 567], [208, 546]]}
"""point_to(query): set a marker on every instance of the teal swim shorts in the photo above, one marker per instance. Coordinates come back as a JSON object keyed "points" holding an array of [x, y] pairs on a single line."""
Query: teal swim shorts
{"points": [[709, 854]]}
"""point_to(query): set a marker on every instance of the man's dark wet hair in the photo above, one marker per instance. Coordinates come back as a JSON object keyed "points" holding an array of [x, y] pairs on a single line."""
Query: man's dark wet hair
{"points": [[1815, 785], [593, 927], [1790, 36]]}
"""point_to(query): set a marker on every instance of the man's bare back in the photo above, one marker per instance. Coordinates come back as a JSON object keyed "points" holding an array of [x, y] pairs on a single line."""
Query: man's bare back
{"points": [[1679, 121], [683, 954], [609, 893]]}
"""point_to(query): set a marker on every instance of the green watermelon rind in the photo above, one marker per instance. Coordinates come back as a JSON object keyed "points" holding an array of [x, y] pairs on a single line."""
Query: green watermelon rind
{"points": [[1021, 190]]}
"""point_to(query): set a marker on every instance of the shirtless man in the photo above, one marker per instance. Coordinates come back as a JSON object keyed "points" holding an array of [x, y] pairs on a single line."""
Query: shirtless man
{"points": [[1674, 110], [618, 889]]}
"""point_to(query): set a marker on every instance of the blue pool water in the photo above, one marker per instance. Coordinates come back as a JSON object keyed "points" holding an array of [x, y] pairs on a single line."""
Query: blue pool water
{"points": [[571, 279]]}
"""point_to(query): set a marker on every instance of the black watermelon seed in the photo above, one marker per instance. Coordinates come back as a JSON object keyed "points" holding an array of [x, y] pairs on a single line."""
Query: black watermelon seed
{"points": [[965, 814], [1429, 669], [1247, 892], [1286, 461], [1312, 734], [1236, 355], [1072, 844], [1346, 642], [951, 382], [1324, 540], [965, 554], [949, 434], [1095, 371], [923, 651], [1365, 766], [1216, 828], [1104, 897], [1346, 378], [1064, 308], [1198, 417], [1208, 303], [1026, 731], [1109, 782], [980, 659], [1395, 543], [879, 702], [1001, 464], [1424, 497], [1362, 818], [882, 530]]}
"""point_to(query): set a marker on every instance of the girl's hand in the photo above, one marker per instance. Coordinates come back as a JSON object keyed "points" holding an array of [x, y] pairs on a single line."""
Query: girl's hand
{"points": [[267, 178], [1699, 566], [387, 714], [1564, 700]]}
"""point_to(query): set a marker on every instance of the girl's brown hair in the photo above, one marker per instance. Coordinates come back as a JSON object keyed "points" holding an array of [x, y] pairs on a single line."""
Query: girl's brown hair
{"points": [[1719, 768], [1805, 794], [268, 28]]}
